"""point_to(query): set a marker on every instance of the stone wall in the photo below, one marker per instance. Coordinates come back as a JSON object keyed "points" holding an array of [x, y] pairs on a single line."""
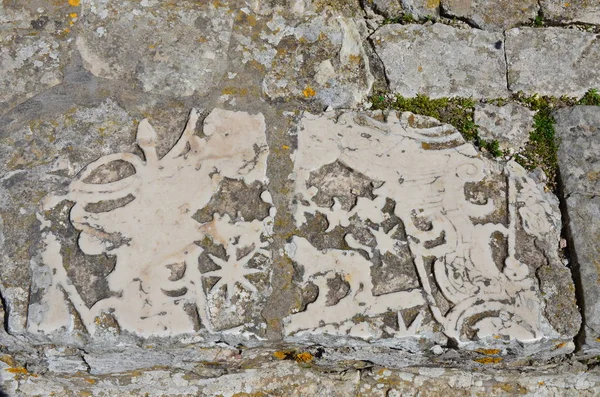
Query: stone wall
{"points": [[299, 198]]}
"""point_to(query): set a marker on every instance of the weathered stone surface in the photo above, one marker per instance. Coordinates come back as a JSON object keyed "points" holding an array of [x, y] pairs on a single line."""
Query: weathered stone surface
{"points": [[421, 8], [492, 15], [119, 41], [264, 374], [582, 11], [132, 246], [35, 44], [321, 59], [552, 61], [578, 128], [509, 124], [417, 60]]}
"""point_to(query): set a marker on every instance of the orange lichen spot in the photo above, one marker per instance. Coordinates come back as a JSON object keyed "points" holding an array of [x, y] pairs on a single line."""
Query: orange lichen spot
{"points": [[497, 336], [541, 383], [73, 15], [420, 69], [90, 381], [74, 3], [597, 339], [488, 351], [309, 92], [286, 147], [280, 355], [567, 4], [426, 146], [488, 360], [304, 357], [151, 46], [560, 345], [17, 370]]}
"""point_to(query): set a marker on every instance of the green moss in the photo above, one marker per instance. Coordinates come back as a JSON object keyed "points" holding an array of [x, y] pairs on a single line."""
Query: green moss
{"points": [[542, 148], [455, 111], [591, 98], [493, 147], [538, 21]]}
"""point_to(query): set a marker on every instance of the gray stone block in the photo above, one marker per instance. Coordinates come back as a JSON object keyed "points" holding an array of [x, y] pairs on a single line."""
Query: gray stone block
{"points": [[492, 15], [442, 61], [578, 128], [552, 61], [509, 124], [582, 11]]}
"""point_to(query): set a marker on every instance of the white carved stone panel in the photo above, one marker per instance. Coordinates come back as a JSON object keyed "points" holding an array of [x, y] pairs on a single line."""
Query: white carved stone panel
{"points": [[402, 230]]}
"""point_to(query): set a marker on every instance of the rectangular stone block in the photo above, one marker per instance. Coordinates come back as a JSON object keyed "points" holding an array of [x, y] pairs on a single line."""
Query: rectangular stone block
{"points": [[442, 61], [552, 61], [371, 231], [578, 129]]}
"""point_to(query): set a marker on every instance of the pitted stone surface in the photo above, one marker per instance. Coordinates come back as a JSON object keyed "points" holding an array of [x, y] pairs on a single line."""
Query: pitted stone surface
{"points": [[421, 8], [552, 61], [509, 124], [578, 128], [492, 15], [413, 64], [582, 11], [35, 46], [119, 41], [320, 59]]}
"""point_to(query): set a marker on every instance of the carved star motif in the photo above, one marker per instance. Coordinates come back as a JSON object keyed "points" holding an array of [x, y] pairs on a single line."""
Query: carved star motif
{"points": [[232, 271]]}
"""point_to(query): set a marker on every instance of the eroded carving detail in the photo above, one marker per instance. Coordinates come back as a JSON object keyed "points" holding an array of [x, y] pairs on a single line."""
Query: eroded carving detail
{"points": [[145, 219], [423, 167]]}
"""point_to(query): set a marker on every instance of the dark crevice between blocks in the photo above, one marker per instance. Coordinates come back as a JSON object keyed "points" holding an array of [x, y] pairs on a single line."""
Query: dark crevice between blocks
{"points": [[6, 314], [571, 255], [445, 14]]}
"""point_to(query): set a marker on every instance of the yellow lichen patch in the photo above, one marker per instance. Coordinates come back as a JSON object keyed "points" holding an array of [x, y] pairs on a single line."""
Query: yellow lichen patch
{"points": [[85, 393], [91, 381], [281, 355], [497, 336], [234, 91], [488, 352], [8, 360], [17, 370], [420, 69], [560, 345], [304, 357], [488, 360], [286, 147], [309, 92], [74, 3], [597, 339], [432, 4]]}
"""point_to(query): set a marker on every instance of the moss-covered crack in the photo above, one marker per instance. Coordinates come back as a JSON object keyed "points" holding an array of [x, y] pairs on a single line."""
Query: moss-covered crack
{"points": [[540, 151]]}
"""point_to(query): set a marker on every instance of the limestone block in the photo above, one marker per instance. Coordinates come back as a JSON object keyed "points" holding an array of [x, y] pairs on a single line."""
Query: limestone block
{"points": [[417, 60], [492, 15], [578, 129], [582, 11], [509, 124], [552, 61]]}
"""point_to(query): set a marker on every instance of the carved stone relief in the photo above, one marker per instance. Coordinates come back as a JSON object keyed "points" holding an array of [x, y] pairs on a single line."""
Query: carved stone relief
{"points": [[402, 230]]}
